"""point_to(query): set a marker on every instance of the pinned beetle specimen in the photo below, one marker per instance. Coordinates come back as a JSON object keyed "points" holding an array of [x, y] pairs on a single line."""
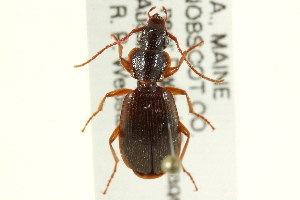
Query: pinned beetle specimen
{"points": [[149, 112]]}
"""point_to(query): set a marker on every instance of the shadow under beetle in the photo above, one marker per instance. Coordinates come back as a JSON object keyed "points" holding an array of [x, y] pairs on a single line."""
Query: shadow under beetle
{"points": [[149, 112]]}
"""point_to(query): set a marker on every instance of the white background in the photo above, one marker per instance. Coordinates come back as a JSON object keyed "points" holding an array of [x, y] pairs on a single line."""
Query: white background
{"points": [[43, 155]]}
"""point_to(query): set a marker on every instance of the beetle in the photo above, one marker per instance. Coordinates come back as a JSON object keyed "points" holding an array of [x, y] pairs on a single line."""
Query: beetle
{"points": [[149, 112]]}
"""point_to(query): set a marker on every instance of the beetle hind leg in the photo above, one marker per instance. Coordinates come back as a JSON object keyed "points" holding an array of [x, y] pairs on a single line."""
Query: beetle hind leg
{"points": [[112, 138], [186, 132]]}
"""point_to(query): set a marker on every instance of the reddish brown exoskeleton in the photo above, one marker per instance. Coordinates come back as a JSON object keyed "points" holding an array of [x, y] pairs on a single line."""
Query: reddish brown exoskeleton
{"points": [[149, 112]]}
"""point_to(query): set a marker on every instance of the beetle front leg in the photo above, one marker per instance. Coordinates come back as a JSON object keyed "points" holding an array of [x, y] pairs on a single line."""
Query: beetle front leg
{"points": [[115, 93], [125, 63], [188, 63], [173, 70], [124, 39], [112, 138], [177, 91]]}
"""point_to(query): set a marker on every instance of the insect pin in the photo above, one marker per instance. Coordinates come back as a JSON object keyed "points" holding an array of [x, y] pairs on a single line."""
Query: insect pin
{"points": [[149, 113]]}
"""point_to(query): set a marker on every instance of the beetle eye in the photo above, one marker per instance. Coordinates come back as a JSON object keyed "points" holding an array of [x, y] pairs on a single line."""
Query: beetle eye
{"points": [[139, 38], [166, 42]]}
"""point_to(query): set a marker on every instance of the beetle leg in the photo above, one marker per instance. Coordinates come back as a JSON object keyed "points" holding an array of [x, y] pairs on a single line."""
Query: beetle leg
{"points": [[173, 70], [112, 138], [186, 132], [189, 64], [124, 39], [115, 93], [125, 63], [177, 91]]}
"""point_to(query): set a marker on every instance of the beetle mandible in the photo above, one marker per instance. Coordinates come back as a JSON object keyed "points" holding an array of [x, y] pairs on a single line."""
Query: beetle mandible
{"points": [[149, 112]]}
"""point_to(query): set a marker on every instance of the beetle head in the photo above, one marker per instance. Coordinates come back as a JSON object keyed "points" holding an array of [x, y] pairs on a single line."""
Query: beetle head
{"points": [[154, 36], [157, 21]]}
